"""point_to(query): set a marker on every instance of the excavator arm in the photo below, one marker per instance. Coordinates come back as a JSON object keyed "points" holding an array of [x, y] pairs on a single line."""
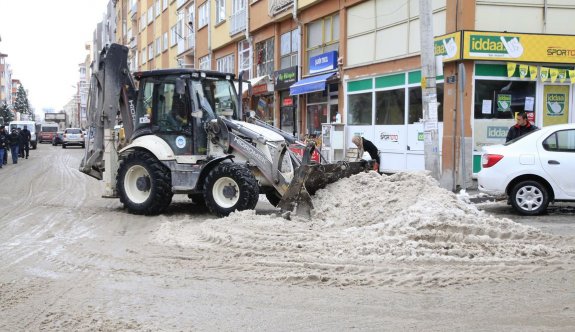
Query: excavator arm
{"points": [[111, 101]]}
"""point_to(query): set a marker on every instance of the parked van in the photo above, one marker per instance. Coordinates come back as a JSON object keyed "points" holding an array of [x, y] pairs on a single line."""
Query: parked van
{"points": [[31, 126], [47, 132]]}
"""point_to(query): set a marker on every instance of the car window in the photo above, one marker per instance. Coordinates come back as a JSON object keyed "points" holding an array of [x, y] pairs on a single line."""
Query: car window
{"points": [[560, 141], [73, 131]]}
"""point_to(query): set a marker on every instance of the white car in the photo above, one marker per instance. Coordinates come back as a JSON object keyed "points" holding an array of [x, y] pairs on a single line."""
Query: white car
{"points": [[73, 136], [532, 170]]}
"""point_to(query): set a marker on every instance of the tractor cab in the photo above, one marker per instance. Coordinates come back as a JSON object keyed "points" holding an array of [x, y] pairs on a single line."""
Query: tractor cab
{"points": [[177, 104]]}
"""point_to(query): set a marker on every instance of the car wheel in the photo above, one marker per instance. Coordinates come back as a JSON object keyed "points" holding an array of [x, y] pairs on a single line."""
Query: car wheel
{"points": [[144, 184], [230, 187], [63, 146], [529, 197]]}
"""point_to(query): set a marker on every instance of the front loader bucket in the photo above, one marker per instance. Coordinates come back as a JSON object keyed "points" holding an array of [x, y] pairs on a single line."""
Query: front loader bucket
{"points": [[310, 178]]}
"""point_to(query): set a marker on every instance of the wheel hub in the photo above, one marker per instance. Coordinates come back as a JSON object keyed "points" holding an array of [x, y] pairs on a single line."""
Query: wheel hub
{"points": [[143, 183], [230, 191]]}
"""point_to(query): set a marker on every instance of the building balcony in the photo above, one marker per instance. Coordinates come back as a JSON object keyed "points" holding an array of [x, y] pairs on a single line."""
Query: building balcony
{"points": [[277, 6], [238, 22]]}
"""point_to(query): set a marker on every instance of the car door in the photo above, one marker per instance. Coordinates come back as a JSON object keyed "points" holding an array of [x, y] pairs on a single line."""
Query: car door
{"points": [[557, 155], [172, 116]]}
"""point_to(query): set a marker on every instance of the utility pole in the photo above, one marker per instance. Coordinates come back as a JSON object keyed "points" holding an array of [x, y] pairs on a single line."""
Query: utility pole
{"points": [[429, 89]]}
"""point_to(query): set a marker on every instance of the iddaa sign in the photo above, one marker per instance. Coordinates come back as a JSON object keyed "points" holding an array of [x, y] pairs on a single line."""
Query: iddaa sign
{"points": [[496, 132]]}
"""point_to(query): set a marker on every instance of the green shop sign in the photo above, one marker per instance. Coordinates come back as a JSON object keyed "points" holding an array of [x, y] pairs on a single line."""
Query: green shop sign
{"points": [[555, 104], [503, 103]]}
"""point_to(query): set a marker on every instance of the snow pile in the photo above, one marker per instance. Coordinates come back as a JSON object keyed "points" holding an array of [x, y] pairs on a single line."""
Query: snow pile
{"points": [[372, 229]]}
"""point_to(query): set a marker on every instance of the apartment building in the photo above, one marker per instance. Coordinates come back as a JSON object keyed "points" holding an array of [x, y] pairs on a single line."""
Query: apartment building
{"points": [[312, 62], [5, 80]]}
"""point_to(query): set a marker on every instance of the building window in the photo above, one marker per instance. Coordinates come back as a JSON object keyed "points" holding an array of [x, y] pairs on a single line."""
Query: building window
{"points": [[359, 109], [144, 55], [265, 57], [164, 4], [238, 17], [220, 11], [205, 62], [244, 63], [158, 8], [134, 61], [203, 15], [165, 44], [390, 107], [174, 35], [150, 52], [150, 14], [143, 22], [322, 36], [289, 47], [225, 64], [158, 46]]}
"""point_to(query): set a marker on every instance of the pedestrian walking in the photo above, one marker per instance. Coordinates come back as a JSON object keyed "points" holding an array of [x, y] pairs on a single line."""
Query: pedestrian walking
{"points": [[4, 142], [14, 145], [26, 137]]}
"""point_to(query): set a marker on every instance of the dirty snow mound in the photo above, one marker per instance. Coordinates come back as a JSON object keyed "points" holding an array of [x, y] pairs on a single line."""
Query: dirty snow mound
{"points": [[373, 229]]}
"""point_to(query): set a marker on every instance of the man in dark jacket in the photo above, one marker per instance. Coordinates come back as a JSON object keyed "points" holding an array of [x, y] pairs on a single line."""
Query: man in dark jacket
{"points": [[26, 137], [14, 145], [4, 143], [521, 128]]}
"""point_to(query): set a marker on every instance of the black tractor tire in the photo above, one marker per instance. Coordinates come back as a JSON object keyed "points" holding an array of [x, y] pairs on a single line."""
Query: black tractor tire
{"points": [[144, 184], [529, 197], [273, 197], [230, 187]]}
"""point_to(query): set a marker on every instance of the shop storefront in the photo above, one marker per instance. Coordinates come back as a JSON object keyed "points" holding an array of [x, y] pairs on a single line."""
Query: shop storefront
{"points": [[518, 72], [513, 72], [320, 92], [262, 99], [288, 105], [387, 110]]}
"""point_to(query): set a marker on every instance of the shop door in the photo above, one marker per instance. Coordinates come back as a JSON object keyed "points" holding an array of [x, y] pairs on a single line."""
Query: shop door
{"points": [[556, 102]]}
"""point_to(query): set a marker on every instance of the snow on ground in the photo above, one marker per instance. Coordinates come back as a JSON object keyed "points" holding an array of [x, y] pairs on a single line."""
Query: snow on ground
{"points": [[373, 229]]}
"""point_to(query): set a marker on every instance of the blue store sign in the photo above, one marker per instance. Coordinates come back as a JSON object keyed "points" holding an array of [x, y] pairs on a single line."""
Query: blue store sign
{"points": [[323, 62]]}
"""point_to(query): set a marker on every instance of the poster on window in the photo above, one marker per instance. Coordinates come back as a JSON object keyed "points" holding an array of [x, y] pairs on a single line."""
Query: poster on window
{"points": [[504, 103], [555, 104]]}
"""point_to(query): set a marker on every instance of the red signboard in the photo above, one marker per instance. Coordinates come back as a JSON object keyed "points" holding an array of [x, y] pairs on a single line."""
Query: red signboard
{"points": [[531, 116], [287, 102], [260, 89]]}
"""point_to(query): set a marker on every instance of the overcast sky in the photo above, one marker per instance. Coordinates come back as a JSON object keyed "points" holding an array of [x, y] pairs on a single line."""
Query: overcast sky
{"points": [[44, 40]]}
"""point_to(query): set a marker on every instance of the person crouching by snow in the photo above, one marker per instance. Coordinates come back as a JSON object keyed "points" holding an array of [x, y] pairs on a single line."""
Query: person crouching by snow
{"points": [[364, 145]]}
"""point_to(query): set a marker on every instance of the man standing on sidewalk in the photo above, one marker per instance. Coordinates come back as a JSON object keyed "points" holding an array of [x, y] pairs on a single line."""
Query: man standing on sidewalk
{"points": [[26, 137], [14, 145], [4, 140]]}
